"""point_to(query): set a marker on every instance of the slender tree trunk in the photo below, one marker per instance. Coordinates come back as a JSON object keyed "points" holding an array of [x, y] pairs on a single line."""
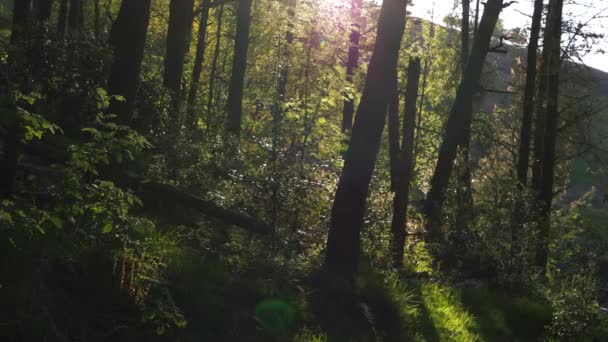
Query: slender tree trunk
{"points": [[62, 17], [539, 126], [43, 10], [476, 26], [406, 164], [180, 19], [464, 192], [353, 63], [343, 243], [523, 163], [553, 45], [21, 15], [394, 147], [234, 105], [128, 39], [459, 120], [96, 19], [464, 35], [76, 17], [198, 61], [216, 55]]}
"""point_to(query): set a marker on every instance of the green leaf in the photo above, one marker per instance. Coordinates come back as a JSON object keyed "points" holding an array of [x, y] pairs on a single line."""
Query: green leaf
{"points": [[107, 227], [56, 221]]}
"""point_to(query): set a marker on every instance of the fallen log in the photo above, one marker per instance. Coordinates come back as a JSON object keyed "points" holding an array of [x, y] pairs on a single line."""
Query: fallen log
{"points": [[164, 195]]}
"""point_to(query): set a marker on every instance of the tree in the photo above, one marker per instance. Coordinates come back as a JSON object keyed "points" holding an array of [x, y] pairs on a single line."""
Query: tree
{"points": [[523, 162], [21, 15], [353, 63], [180, 22], [459, 120], [127, 39], [62, 17], [216, 54], [198, 59], [43, 9], [343, 242], [76, 17], [405, 167], [234, 105], [552, 44]]}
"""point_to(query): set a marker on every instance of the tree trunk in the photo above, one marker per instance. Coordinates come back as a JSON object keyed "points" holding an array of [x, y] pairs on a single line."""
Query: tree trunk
{"points": [[128, 40], [464, 35], [464, 192], [216, 55], [343, 242], [406, 164], [476, 26], [21, 15], [523, 163], [353, 63], [459, 120], [8, 165], [96, 19], [76, 17], [234, 105], [62, 17], [180, 19], [43, 10], [553, 45], [539, 126], [198, 61]]}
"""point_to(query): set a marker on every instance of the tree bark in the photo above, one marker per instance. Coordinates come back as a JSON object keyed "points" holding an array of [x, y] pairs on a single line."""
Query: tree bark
{"points": [[553, 45], [343, 242], [128, 40], [464, 35], [76, 17], [353, 63], [43, 10], [180, 19], [459, 120], [216, 55], [523, 162], [198, 60], [21, 15], [234, 105], [62, 17], [405, 168]]}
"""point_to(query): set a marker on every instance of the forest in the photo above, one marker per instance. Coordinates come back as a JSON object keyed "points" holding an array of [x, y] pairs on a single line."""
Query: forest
{"points": [[303, 170]]}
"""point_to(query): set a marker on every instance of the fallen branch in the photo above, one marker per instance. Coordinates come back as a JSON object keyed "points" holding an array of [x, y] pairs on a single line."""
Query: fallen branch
{"points": [[168, 195]]}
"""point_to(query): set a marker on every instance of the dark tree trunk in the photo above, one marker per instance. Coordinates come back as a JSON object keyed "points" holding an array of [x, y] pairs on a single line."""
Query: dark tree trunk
{"points": [[284, 63], [464, 35], [353, 63], [539, 126], [62, 17], [216, 55], [234, 105], [8, 165], [476, 25], [43, 10], [76, 17], [128, 39], [393, 131], [406, 164], [523, 162], [343, 242], [198, 61], [553, 45], [464, 192], [459, 120], [180, 21], [96, 20], [21, 15]]}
